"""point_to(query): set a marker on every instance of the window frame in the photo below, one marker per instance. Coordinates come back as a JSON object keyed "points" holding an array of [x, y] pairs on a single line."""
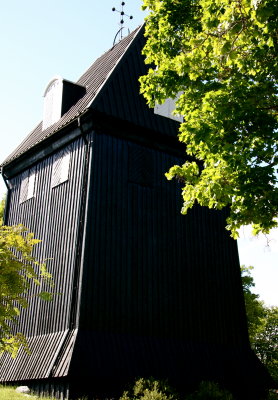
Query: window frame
{"points": [[28, 185], [61, 167]]}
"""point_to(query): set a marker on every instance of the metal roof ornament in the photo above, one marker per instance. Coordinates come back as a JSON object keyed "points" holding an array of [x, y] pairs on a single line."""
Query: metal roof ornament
{"points": [[122, 14]]}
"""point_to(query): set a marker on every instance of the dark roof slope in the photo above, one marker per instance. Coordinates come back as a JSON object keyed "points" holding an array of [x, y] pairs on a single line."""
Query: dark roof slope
{"points": [[93, 79]]}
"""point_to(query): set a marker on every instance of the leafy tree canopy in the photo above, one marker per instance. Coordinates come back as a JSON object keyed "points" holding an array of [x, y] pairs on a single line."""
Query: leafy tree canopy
{"points": [[266, 342], [18, 270], [221, 55], [255, 310], [262, 325]]}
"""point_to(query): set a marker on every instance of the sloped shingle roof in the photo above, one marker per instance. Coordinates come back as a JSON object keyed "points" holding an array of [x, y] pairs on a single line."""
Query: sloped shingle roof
{"points": [[92, 79]]}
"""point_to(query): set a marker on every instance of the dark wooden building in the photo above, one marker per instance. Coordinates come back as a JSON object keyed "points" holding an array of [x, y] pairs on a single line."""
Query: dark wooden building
{"points": [[142, 290]]}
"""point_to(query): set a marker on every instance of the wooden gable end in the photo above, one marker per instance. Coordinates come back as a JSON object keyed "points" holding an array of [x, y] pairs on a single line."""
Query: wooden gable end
{"points": [[120, 96]]}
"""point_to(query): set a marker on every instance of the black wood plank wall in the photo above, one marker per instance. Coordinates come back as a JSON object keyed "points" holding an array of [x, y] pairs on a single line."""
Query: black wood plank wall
{"points": [[53, 214], [149, 270]]}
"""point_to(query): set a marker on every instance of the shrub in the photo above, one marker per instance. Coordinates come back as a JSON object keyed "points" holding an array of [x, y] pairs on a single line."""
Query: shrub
{"points": [[210, 391], [149, 389]]}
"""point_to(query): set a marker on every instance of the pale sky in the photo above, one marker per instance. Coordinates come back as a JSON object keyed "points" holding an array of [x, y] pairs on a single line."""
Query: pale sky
{"points": [[42, 39]]}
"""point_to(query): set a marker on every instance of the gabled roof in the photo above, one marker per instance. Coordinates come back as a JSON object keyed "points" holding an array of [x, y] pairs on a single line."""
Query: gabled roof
{"points": [[93, 79]]}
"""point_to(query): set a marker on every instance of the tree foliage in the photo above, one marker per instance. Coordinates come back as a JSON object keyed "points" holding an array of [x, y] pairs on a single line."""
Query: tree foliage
{"points": [[2, 209], [265, 342], [18, 270], [210, 391], [222, 56], [262, 325], [255, 310], [149, 389]]}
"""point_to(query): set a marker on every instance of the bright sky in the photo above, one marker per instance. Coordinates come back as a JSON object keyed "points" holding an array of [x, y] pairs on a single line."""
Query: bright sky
{"points": [[41, 39]]}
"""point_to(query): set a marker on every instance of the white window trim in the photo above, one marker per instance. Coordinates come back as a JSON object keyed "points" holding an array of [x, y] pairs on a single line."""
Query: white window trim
{"points": [[28, 186], [61, 168]]}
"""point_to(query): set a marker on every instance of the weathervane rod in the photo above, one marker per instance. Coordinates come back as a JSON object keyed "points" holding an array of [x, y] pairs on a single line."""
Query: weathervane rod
{"points": [[122, 14]]}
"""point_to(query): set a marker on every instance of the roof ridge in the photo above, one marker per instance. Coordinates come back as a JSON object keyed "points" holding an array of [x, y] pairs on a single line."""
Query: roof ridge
{"points": [[94, 78], [133, 33]]}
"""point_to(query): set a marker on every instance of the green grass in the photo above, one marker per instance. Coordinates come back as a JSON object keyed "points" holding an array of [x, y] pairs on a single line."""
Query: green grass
{"points": [[9, 393]]}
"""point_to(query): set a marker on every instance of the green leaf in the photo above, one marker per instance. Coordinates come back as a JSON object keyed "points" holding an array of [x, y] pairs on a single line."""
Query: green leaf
{"points": [[226, 48], [228, 75], [17, 271]]}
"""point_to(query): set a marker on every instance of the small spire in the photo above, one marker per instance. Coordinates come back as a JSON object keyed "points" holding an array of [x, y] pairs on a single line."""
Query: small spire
{"points": [[121, 24]]}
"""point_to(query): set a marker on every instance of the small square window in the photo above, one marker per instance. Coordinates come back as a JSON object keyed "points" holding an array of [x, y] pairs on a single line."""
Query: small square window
{"points": [[27, 189], [60, 170]]}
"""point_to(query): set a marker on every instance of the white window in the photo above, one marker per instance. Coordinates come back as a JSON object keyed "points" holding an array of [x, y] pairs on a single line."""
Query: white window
{"points": [[52, 108], [27, 189], [61, 166]]}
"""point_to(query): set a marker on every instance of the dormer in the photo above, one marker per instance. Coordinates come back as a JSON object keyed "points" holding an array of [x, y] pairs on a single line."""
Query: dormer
{"points": [[59, 96]]}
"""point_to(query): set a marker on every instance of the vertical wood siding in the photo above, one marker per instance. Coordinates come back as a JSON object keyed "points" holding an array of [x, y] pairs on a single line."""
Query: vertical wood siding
{"points": [[53, 214], [152, 271], [161, 292]]}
